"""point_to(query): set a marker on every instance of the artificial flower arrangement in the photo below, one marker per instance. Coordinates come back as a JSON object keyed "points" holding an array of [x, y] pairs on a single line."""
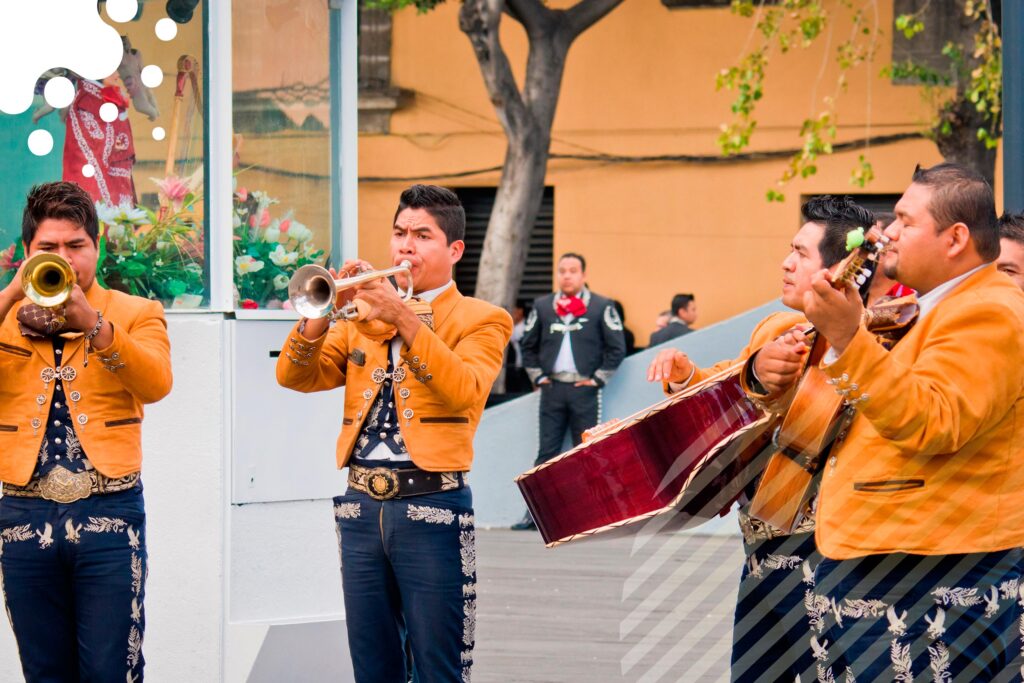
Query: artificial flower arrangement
{"points": [[155, 254], [268, 250], [159, 254]]}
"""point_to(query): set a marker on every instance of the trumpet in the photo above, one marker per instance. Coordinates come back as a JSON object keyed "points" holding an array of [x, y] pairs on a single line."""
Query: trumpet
{"points": [[312, 291], [47, 280]]}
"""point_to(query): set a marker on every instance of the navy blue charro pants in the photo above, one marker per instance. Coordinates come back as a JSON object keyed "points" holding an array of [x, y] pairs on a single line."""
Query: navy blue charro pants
{"points": [[408, 571], [73, 578]]}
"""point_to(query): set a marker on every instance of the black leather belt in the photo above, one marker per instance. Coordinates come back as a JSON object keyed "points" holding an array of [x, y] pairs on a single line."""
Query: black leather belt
{"points": [[385, 483]]}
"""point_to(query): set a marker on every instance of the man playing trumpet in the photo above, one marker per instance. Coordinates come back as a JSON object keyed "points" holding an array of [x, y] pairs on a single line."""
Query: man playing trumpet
{"points": [[73, 380], [416, 378]]}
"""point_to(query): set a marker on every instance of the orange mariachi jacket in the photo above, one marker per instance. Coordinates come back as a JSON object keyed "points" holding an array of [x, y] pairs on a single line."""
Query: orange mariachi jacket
{"points": [[135, 369], [933, 463], [450, 370]]}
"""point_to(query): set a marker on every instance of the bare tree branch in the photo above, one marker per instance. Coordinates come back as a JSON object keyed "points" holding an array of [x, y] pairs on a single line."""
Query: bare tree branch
{"points": [[479, 20], [586, 13], [532, 14]]}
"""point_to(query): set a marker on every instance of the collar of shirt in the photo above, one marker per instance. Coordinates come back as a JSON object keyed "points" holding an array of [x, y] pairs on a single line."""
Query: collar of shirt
{"points": [[927, 302], [432, 294], [428, 296]]}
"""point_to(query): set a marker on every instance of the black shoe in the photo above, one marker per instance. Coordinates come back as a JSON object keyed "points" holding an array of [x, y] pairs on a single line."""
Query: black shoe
{"points": [[527, 524]]}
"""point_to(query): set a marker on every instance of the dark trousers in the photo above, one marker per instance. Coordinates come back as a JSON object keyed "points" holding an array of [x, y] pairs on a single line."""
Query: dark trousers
{"points": [[408, 569], [912, 617], [74, 580], [564, 406], [770, 629]]}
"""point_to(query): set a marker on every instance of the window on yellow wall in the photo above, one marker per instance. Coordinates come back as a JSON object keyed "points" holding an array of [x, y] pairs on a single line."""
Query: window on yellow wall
{"points": [[538, 273], [134, 140], [282, 144]]}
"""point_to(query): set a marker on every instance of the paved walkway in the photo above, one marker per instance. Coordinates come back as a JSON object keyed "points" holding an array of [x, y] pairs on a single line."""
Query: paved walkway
{"points": [[654, 609]]}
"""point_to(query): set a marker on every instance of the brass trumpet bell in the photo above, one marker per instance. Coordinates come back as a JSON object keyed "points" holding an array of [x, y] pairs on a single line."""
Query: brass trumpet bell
{"points": [[47, 280], [313, 292]]}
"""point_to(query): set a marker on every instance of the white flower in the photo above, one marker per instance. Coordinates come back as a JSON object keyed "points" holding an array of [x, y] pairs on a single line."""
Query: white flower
{"points": [[271, 234], [122, 213], [283, 258], [115, 231], [247, 264], [299, 232], [236, 221], [280, 281]]}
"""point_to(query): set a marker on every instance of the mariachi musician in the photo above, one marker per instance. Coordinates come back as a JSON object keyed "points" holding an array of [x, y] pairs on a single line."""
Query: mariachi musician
{"points": [[771, 632], [416, 379], [74, 378]]}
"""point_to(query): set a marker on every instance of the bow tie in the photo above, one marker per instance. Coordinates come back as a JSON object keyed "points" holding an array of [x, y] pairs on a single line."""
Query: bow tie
{"points": [[570, 305], [36, 321]]}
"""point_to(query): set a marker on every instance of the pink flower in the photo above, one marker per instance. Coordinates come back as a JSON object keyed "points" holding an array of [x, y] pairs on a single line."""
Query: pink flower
{"points": [[173, 188], [249, 304], [242, 193], [7, 261], [265, 218], [252, 221], [285, 224]]}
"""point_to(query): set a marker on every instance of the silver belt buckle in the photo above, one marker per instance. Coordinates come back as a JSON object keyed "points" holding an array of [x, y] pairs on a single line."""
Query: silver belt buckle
{"points": [[64, 486]]}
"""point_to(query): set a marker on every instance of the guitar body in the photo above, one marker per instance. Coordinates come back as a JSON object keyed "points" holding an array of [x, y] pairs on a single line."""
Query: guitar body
{"points": [[675, 465]]}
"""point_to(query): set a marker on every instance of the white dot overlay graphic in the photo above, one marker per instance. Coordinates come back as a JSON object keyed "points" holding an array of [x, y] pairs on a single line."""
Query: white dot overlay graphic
{"points": [[88, 171], [122, 11], [40, 142], [59, 92], [166, 29], [108, 112], [159, 133], [44, 34], [152, 76]]}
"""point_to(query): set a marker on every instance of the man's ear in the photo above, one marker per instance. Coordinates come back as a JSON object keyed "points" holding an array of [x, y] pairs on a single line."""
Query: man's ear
{"points": [[959, 238], [456, 249]]}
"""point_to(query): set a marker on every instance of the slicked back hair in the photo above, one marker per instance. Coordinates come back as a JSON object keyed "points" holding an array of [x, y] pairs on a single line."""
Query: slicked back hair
{"points": [[1011, 227], [962, 195], [441, 203], [838, 216], [62, 201]]}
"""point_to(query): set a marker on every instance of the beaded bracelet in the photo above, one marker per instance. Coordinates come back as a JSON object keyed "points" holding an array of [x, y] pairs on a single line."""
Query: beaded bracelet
{"points": [[90, 335]]}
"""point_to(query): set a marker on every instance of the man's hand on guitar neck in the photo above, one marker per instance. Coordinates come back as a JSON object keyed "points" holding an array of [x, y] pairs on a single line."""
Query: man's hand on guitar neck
{"points": [[671, 366], [835, 313], [778, 364]]}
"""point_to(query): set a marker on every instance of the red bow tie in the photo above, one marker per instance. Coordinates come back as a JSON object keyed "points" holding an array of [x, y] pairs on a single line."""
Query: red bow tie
{"points": [[570, 305]]}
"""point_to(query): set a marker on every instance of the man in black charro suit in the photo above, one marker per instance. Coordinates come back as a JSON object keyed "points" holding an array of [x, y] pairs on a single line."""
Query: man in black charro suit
{"points": [[572, 346]]}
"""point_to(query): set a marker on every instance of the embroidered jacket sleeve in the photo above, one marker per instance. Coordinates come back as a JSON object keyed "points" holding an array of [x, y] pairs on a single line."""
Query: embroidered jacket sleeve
{"points": [[314, 365], [766, 330], [614, 344], [461, 375], [965, 378], [530, 345], [140, 354]]}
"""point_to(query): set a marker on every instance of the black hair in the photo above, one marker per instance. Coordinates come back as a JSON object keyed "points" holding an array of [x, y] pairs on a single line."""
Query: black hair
{"points": [[962, 195], [681, 301], [441, 203], [838, 216], [570, 254], [60, 200], [1011, 226]]}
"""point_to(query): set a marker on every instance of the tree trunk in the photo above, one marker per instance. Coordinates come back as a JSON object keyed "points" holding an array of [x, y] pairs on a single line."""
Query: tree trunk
{"points": [[515, 210], [962, 145]]}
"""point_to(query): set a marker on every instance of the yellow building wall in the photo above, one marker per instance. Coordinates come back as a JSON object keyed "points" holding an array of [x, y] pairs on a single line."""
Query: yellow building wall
{"points": [[641, 82]]}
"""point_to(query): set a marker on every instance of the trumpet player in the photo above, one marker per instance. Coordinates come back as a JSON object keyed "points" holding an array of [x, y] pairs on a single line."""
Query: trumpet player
{"points": [[74, 376], [416, 377]]}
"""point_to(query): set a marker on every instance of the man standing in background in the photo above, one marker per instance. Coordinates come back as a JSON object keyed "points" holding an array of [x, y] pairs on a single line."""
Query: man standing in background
{"points": [[572, 347]]}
